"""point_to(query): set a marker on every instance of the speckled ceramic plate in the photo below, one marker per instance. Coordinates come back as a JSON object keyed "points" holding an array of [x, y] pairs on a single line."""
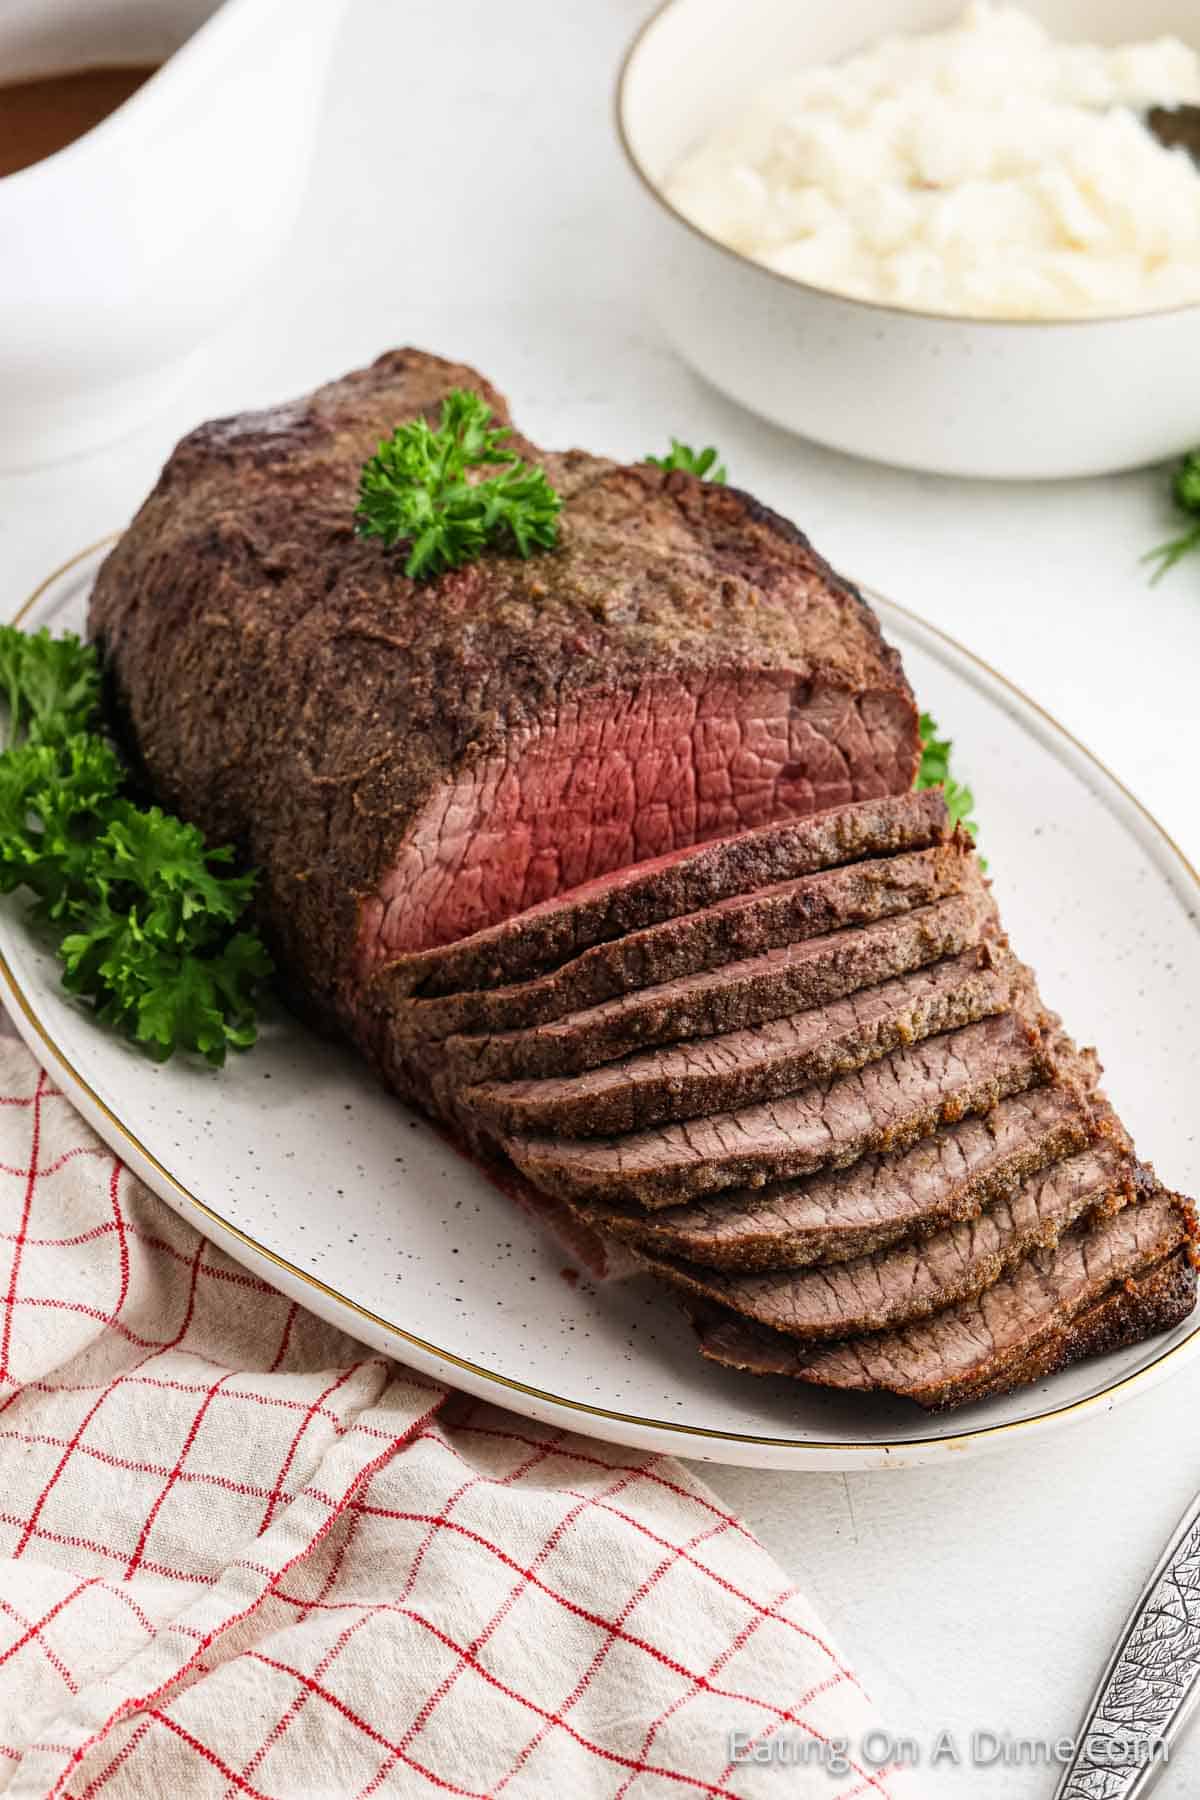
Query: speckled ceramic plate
{"points": [[301, 1168]]}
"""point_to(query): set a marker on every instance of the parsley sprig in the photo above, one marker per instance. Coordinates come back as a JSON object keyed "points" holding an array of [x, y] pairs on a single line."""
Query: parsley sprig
{"points": [[934, 771], [415, 490], [146, 917], [1185, 491], [692, 462]]}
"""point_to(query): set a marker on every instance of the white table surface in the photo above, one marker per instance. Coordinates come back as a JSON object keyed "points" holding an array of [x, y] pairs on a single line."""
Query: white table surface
{"points": [[469, 197]]}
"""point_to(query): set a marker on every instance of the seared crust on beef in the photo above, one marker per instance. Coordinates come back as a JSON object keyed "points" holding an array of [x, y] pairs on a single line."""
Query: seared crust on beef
{"points": [[286, 687], [1153, 1301], [1140, 1307]]}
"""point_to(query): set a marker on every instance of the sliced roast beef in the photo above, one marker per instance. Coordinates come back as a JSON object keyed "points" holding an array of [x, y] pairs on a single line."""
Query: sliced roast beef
{"points": [[925, 1275], [888, 1105], [408, 763], [744, 925], [1104, 1284], [660, 888], [537, 816], [1137, 1308], [783, 981], [766, 1062], [952, 1174]]}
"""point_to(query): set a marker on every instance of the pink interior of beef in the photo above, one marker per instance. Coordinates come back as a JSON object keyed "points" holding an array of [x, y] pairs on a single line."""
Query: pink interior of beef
{"points": [[621, 779]]}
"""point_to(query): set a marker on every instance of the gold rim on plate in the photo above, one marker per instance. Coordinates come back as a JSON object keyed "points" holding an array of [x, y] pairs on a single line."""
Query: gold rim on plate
{"points": [[871, 1447]]}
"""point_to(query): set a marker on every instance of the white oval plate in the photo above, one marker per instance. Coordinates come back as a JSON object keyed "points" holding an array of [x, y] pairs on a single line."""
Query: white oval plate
{"points": [[299, 1166]]}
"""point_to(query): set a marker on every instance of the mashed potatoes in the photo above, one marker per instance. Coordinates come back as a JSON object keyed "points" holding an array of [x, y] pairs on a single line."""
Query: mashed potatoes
{"points": [[986, 170]]}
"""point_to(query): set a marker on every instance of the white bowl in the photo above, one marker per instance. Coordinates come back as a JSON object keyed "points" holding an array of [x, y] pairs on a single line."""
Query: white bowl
{"points": [[993, 398], [120, 253]]}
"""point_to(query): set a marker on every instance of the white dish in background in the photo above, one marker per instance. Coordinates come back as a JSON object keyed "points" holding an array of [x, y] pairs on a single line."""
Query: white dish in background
{"points": [[124, 250], [299, 1166], [979, 397]]}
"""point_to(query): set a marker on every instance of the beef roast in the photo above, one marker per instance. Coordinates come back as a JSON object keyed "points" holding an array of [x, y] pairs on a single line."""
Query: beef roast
{"points": [[408, 764], [787, 912], [718, 1074], [1056, 1305], [749, 992], [609, 859], [925, 1275], [887, 1105], [880, 1199]]}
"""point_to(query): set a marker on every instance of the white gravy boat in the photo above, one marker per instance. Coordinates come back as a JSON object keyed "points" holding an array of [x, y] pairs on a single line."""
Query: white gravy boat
{"points": [[124, 250]]}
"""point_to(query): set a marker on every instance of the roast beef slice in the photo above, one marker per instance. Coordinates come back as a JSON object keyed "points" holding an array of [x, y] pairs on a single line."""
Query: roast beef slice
{"points": [[1054, 1306], [764, 1062], [952, 1174], [926, 1274], [787, 980], [888, 1105], [730, 930], [653, 890]]}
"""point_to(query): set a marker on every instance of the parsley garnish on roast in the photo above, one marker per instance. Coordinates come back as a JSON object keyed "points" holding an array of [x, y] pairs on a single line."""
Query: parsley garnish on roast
{"points": [[694, 462], [415, 491]]}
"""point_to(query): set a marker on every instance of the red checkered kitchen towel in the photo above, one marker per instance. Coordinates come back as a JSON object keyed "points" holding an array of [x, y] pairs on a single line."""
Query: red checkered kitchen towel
{"points": [[242, 1554]]}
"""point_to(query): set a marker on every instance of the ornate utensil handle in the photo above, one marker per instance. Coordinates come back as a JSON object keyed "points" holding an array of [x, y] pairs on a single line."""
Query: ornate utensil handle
{"points": [[1150, 1685]]}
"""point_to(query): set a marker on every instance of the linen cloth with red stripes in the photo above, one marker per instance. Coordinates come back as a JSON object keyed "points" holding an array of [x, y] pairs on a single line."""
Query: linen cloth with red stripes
{"points": [[241, 1554]]}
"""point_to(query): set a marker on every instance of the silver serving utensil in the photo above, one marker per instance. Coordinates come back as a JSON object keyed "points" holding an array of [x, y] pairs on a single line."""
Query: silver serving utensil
{"points": [[1151, 1684], [1176, 126]]}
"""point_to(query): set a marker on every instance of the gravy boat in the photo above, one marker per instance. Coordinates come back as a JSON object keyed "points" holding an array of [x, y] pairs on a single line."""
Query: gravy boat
{"points": [[121, 252]]}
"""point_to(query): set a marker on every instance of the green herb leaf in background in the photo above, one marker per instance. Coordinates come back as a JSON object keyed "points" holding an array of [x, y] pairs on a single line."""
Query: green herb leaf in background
{"points": [[145, 914], [934, 771], [415, 490], [1185, 491], [692, 462]]}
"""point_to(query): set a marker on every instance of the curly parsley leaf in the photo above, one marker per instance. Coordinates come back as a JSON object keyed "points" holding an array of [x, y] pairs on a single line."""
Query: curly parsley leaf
{"points": [[184, 895], [1185, 491], [693, 462], [934, 771], [145, 914], [52, 685], [166, 997], [208, 1003], [415, 490], [51, 797]]}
